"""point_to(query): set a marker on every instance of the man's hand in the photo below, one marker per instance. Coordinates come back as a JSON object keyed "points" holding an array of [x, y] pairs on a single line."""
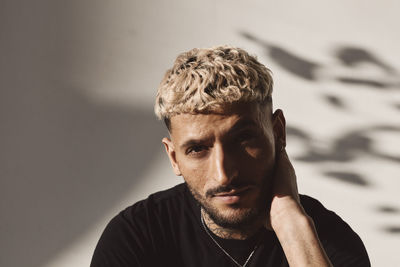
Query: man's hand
{"points": [[287, 218], [285, 197]]}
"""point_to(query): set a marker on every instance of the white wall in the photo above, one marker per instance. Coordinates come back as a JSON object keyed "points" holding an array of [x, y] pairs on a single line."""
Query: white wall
{"points": [[79, 141]]}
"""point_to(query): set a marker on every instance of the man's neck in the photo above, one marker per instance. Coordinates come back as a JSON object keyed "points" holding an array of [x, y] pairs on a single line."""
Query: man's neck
{"points": [[231, 233]]}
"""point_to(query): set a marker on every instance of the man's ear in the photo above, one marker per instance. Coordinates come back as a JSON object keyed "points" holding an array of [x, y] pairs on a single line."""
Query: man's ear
{"points": [[279, 128], [170, 149]]}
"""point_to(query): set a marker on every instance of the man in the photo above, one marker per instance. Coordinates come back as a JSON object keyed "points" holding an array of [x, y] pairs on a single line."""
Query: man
{"points": [[239, 205]]}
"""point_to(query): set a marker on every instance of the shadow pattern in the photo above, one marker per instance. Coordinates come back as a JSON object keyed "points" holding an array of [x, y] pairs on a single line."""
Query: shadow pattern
{"points": [[353, 144]]}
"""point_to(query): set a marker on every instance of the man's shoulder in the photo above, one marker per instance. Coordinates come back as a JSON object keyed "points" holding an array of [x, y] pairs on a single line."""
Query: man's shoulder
{"points": [[174, 193], [149, 217], [321, 216], [314, 207], [341, 243], [133, 235], [325, 220], [158, 202]]}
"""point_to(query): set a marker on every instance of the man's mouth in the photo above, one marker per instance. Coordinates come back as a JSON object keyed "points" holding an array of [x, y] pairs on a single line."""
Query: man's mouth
{"points": [[233, 196], [233, 192]]}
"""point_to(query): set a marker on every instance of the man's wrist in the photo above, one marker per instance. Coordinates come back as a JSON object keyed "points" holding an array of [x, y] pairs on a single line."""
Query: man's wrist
{"points": [[285, 212]]}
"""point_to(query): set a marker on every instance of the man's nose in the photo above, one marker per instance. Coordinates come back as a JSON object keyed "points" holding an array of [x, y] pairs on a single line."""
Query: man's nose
{"points": [[226, 167]]}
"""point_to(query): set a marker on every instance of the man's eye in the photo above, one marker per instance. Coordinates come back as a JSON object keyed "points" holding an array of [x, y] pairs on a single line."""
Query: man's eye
{"points": [[195, 149]]}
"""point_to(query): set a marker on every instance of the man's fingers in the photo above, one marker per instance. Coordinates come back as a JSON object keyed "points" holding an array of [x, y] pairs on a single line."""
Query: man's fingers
{"points": [[286, 183]]}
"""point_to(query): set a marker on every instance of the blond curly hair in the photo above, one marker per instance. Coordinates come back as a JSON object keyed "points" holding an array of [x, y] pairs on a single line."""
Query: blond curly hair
{"points": [[202, 80]]}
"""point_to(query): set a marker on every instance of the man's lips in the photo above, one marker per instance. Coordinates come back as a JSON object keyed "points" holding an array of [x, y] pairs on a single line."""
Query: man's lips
{"points": [[233, 196], [233, 192]]}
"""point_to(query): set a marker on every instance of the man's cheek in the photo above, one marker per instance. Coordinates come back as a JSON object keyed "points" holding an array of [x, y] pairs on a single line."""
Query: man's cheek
{"points": [[196, 179], [268, 173]]}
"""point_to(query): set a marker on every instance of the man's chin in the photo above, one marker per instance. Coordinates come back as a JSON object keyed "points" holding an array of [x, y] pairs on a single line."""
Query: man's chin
{"points": [[233, 217]]}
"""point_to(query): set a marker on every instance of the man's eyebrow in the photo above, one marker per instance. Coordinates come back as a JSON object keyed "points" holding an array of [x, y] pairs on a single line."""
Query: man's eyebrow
{"points": [[239, 125], [243, 123]]}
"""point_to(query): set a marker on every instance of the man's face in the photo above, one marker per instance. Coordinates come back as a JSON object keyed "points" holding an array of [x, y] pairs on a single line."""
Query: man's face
{"points": [[227, 160]]}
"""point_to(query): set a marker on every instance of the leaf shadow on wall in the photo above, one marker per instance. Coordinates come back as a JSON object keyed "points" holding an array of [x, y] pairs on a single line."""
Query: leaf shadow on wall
{"points": [[353, 144]]}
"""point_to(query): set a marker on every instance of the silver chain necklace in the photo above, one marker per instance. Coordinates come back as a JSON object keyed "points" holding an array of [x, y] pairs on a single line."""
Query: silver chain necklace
{"points": [[223, 250]]}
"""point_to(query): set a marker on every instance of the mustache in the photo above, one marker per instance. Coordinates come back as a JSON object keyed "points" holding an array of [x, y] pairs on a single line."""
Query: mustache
{"points": [[226, 188]]}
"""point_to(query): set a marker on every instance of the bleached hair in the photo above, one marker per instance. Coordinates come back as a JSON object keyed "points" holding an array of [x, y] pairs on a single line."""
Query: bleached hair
{"points": [[202, 80]]}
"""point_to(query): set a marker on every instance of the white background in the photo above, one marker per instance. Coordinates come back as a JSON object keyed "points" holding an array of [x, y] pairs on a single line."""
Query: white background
{"points": [[79, 141]]}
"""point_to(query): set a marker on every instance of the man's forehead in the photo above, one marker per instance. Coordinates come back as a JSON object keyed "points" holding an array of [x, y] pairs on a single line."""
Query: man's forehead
{"points": [[201, 122], [221, 111], [197, 125], [197, 122]]}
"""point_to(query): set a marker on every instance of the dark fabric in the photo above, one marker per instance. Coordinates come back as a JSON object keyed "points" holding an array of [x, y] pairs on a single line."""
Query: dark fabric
{"points": [[165, 230]]}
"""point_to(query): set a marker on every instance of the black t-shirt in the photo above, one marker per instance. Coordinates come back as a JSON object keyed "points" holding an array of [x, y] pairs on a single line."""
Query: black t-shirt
{"points": [[166, 230]]}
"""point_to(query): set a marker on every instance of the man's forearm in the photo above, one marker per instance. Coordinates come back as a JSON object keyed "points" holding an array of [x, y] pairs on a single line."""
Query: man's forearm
{"points": [[298, 237]]}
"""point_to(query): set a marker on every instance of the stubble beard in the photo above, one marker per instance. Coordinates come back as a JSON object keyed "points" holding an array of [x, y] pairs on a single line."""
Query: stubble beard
{"points": [[240, 218]]}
